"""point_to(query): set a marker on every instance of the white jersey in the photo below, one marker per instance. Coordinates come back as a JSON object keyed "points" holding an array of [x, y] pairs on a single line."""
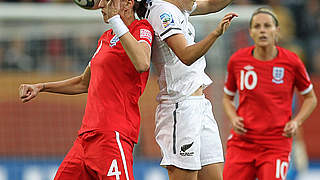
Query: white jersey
{"points": [[176, 80]]}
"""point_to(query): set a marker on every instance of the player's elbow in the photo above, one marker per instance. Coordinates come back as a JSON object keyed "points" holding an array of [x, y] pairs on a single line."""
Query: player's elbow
{"points": [[186, 57], [143, 66], [83, 84], [186, 60], [315, 101], [142, 69]]}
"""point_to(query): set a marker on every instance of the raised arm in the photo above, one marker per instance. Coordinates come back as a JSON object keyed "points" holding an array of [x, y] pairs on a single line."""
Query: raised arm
{"points": [[75, 85], [210, 6], [138, 52], [189, 54]]}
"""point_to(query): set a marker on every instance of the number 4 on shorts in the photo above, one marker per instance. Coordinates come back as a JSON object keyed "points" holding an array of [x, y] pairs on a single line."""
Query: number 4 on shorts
{"points": [[114, 170]]}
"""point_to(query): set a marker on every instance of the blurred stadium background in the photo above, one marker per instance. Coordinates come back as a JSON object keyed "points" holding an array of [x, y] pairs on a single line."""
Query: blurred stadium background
{"points": [[48, 40]]}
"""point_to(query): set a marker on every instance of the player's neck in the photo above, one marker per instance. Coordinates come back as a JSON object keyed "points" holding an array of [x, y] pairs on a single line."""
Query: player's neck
{"points": [[176, 3], [265, 53]]}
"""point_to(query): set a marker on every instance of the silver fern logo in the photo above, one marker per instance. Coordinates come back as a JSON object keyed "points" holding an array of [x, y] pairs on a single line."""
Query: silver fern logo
{"points": [[184, 148]]}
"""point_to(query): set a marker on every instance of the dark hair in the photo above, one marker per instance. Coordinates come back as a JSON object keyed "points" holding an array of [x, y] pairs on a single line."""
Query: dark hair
{"points": [[140, 7], [265, 11]]}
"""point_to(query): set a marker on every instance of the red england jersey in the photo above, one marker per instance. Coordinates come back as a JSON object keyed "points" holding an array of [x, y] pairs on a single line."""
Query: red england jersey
{"points": [[115, 85], [265, 94]]}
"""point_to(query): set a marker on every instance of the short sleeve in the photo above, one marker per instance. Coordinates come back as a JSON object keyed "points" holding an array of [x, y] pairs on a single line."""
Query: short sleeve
{"points": [[230, 86], [144, 32], [165, 21], [302, 79]]}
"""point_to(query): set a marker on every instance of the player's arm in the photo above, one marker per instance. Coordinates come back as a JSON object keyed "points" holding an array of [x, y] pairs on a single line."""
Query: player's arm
{"points": [[138, 52], [308, 105], [230, 110], [210, 6], [189, 54], [75, 85]]}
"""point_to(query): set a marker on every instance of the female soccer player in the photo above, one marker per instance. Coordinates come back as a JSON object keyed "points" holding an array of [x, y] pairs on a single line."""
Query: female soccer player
{"points": [[186, 130], [265, 76], [114, 79]]}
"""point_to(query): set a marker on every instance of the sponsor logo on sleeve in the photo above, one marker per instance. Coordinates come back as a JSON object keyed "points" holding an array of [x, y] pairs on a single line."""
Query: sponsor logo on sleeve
{"points": [[278, 74], [146, 34], [166, 19]]}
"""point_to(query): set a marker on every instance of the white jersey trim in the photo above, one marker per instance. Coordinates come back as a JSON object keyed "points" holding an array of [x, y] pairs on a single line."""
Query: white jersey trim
{"points": [[122, 155], [97, 50], [227, 91], [172, 30], [306, 91], [142, 40], [165, 29]]}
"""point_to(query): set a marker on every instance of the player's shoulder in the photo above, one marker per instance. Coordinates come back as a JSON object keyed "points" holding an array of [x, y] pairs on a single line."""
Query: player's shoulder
{"points": [[288, 55], [162, 5], [137, 25], [143, 22], [242, 53], [163, 8]]}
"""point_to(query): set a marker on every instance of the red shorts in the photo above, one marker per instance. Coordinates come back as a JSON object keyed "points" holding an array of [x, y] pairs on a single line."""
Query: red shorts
{"points": [[98, 156], [247, 161]]}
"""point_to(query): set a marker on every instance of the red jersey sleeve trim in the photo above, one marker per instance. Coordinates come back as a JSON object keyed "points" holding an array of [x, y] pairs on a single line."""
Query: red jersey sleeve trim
{"points": [[227, 91], [306, 91]]}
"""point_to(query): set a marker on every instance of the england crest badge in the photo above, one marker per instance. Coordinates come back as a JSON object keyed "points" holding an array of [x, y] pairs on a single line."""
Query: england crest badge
{"points": [[278, 74]]}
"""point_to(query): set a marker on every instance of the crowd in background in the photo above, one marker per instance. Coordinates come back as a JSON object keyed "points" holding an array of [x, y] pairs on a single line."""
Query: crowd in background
{"points": [[37, 1], [299, 24], [47, 55]]}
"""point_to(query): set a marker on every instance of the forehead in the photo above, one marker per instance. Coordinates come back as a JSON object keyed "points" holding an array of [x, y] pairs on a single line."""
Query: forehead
{"points": [[262, 18]]}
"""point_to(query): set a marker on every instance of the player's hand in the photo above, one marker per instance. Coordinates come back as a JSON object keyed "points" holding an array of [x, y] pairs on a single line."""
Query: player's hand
{"points": [[113, 7], [290, 129], [225, 23], [238, 125], [28, 91]]}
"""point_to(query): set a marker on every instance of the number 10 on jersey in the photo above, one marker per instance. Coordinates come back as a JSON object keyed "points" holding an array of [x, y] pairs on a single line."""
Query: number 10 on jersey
{"points": [[245, 77]]}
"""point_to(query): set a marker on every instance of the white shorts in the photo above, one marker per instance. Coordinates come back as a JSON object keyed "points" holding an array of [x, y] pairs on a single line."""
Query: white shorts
{"points": [[187, 134]]}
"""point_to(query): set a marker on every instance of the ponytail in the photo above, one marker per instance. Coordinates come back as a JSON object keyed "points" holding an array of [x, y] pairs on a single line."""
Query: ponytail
{"points": [[140, 8]]}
